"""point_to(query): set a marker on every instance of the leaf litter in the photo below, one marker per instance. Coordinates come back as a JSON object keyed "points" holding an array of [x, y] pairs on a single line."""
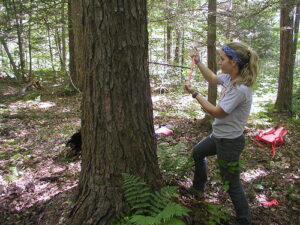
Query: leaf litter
{"points": [[36, 183]]}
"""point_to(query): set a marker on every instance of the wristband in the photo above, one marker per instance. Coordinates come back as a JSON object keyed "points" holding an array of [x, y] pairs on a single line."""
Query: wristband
{"points": [[194, 95]]}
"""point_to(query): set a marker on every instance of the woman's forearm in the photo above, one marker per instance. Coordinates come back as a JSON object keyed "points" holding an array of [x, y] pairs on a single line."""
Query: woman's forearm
{"points": [[210, 76], [215, 111]]}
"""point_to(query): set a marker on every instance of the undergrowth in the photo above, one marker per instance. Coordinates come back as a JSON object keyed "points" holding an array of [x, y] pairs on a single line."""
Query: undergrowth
{"points": [[150, 208], [174, 160]]}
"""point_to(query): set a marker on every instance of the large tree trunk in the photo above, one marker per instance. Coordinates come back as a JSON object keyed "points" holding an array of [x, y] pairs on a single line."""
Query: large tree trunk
{"points": [[117, 120], [285, 82]]}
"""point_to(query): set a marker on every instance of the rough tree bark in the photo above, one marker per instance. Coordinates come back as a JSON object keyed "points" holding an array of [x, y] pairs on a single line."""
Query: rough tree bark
{"points": [[285, 82], [117, 119]]}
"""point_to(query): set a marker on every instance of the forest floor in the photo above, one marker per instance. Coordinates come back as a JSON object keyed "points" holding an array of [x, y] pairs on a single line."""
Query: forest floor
{"points": [[37, 180]]}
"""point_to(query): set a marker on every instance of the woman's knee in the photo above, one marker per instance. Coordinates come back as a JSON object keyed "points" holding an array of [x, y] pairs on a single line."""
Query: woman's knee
{"points": [[204, 148], [197, 153]]}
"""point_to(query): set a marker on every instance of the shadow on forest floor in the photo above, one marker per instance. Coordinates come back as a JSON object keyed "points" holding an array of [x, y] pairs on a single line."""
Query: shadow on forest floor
{"points": [[37, 182]]}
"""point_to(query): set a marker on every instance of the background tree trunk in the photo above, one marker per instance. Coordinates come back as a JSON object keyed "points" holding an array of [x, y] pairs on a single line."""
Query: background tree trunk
{"points": [[177, 48], [211, 47], [49, 43], [76, 40], [10, 57], [117, 120], [63, 40], [182, 55], [169, 29], [169, 42], [211, 52], [295, 33], [29, 43], [285, 82], [19, 26]]}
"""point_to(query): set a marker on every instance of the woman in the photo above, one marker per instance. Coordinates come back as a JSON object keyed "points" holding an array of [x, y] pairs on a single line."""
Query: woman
{"points": [[239, 65]]}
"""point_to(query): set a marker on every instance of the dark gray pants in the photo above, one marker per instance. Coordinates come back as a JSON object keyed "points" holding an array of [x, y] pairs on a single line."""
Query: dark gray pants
{"points": [[228, 152]]}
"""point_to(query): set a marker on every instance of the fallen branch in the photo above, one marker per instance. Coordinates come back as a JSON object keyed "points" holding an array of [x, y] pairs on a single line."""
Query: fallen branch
{"points": [[164, 64]]}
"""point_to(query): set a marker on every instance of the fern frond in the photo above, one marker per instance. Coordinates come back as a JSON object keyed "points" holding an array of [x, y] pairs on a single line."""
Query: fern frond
{"points": [[137, 194], [173, 221], [121, 219], [141, 206], [172, 210], [143, 220], [170, 191], [152, 208], [128, 179], [159, 201]]}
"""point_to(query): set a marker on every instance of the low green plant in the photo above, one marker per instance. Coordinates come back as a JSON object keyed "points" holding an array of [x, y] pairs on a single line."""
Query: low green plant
{"points": [[174, 160], [296, 107], [4, 111], [14, 174], [216, 214], [231, 167], [150, 208]]}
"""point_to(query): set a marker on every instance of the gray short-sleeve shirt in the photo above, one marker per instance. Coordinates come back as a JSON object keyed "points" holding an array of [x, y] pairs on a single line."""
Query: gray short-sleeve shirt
{"points": [[236, 101]]}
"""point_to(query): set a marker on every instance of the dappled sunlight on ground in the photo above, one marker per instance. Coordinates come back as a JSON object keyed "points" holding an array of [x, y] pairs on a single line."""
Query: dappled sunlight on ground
{"points": [[260, 102], [261, 198], [177, 106], [253, 174], [36, 179], [31, 105]]}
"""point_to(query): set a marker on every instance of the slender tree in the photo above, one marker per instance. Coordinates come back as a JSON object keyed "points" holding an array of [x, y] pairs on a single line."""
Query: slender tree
{"points": [[10, 57], [18, 11], [285, 82], [117, 119], [169, 30], [211, 51], [296, 32], [76, 61], [30, 41], [178, 28], [211, 47], [63, 39]]}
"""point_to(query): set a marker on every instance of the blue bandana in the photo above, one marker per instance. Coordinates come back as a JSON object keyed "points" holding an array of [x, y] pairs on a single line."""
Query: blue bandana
{"points": [[229, 52]]}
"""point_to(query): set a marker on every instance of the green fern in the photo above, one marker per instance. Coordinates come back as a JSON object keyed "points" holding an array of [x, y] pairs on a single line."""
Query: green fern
{"points": [[150, 208], [137, 194]]}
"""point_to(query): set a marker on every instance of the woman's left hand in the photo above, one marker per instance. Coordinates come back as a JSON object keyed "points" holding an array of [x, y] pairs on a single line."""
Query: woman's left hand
{"points": [[188, 87]]}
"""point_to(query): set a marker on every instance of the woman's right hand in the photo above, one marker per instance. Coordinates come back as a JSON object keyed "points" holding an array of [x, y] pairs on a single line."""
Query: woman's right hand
{"points": [[194, 53], [188, 87]]}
